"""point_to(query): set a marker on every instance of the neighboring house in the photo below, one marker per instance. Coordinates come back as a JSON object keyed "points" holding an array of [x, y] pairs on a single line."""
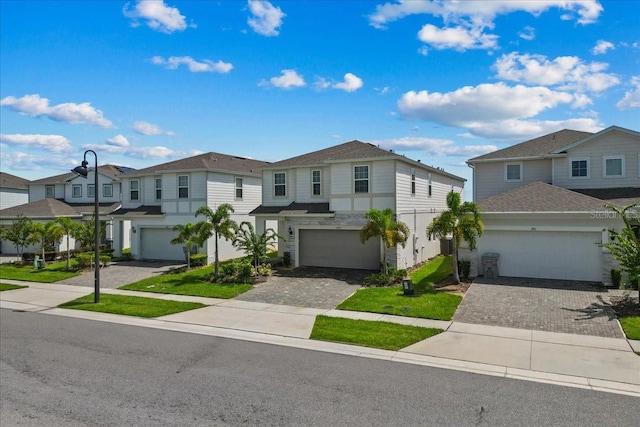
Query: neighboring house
{"points": [[70, 195], [157, 198], [13, 190], [543, 203], [320, 199]]}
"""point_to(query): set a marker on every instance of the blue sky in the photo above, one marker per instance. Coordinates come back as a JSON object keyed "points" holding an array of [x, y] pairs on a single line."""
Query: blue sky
{"points": [[145, 82]]}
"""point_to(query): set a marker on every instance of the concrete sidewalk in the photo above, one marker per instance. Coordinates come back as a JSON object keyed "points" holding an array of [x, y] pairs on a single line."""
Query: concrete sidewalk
{"points": [[596, 363]]}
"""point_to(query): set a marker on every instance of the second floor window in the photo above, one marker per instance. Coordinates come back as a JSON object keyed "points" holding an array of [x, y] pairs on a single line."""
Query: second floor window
{"points": [[183, 186], [238, 188], [280, 184], [316, 188], [76, 190], [91, 190], [413, 182], [613, 166], [158, 184], [361, 179], [513, 172], [134, 190], [49, 191], [107, 190]]}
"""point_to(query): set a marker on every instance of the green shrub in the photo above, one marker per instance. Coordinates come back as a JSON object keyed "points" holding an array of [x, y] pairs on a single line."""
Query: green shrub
{"points": [[264, 269], [198, 260], [286, 259], [84, 259], [616, 278], [126, 255], [464, 268], [236, 271]]}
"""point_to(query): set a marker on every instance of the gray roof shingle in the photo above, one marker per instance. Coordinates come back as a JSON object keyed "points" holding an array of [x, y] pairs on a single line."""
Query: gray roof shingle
{"points": [[111, 170], [207, 161], [297, 208], [51, 208], [11, 181]]}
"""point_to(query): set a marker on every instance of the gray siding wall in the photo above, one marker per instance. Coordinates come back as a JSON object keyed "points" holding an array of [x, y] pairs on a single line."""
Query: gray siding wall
{"points": [[489, 178], [10, 197]]}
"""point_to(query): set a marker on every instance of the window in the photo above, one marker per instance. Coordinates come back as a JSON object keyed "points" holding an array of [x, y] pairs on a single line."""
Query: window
{"points": [[580, 168], [361, 179], [134, 186], [76, 190], [413, 182], [107, 190], [49, 191], [429, 179], [613, 166], [238, 188], [280, 184], [316, 187], [91, 190], [183, 186], [158, 184], [513, 172]]}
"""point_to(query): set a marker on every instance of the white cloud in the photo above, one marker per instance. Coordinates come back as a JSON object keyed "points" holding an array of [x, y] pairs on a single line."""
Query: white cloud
{"points": [[53, 143], [434, 147], [266, 19], [458, 38], [35, 106], [602, 47], [204, 66], [287, 80], [146, 128], [157, 152], [351, 83], [29, 162], [321, 83], [118, 141], [565, 72], [527, 33], [519, 130], [382, 90], [158, 16], [631, 97]]}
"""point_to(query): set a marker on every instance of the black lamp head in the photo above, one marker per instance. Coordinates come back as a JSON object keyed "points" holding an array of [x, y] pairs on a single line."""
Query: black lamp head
{"points": [[81, 170]]}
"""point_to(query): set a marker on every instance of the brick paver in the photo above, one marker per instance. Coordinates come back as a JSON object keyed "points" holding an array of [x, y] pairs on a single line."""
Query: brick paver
{"points": [[581, 308]]}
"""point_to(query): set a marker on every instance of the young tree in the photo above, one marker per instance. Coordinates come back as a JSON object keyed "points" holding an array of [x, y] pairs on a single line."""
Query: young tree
{"points": [[625, 246], [186, 234], [381, 224], [47, 234], [69, 229], [460, 221], [254, 245], [19, 233], [218, 224]]}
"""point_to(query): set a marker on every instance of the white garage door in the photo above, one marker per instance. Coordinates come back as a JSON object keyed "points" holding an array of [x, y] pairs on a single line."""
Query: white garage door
{"points": [[339, 249], [155, 245], [547, 255]]}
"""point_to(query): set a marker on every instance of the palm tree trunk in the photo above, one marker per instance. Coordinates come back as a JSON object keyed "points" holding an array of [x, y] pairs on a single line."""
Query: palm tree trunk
{"points": [[68, 254], [216, 262], [454, 259]]}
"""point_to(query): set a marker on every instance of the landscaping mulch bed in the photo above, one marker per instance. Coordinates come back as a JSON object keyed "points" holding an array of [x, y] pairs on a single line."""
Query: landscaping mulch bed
{"points": [[625, 306], [448, 285]]}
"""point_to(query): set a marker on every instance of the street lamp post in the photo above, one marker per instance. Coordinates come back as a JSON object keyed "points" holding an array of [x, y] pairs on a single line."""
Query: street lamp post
{"points": [[84, 172]]}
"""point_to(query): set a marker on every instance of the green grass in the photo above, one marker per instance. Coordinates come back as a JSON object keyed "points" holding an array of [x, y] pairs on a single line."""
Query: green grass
{"points": [[9, 287], [426, 303], [384, 335], [193, 282], [131, 306], [53, 272], [631, 327]]}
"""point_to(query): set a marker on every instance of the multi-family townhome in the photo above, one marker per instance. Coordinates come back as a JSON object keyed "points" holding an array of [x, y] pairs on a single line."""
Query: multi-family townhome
{"points": [[157, 198], [320, 199], [72, 196], [13, 190], [544, 201]]}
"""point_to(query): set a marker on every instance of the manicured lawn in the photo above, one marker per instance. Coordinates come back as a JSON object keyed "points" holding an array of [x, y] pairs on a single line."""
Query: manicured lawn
{"points": [[131, 306], [631, 327], [9, 287], [426, 303], [192, 282], [384, 335], [53, 272]]}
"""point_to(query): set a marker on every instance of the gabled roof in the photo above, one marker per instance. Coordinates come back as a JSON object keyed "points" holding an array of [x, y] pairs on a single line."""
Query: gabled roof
{"points": [[536, 147], [51, 208], [206, 161], [350, 151], [11, 181], [109, 170], [541, 197], [596, 135], [293, 209], [622, 196]]}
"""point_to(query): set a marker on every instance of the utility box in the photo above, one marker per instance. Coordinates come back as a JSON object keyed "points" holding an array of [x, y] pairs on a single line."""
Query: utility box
{"points": [[490, 266]]}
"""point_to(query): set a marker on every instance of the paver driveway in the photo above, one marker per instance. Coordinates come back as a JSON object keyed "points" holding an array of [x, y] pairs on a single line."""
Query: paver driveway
{"points": [[122, 273], [581, 308]]}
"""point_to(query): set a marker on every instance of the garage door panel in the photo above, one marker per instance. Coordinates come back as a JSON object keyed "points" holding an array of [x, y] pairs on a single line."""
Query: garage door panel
{"points": [[545, 254], [338, 249], [155, 245]]}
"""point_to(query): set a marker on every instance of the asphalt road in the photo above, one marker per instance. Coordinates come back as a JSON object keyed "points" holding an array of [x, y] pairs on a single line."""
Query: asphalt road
{"points": [[59, 371]]}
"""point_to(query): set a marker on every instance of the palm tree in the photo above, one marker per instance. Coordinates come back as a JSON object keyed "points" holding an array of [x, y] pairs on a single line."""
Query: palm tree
{"points": [[461, 221], [46, 233], [218, 224], [252, 244], [382, 224], [68, 227], [187, 235]]}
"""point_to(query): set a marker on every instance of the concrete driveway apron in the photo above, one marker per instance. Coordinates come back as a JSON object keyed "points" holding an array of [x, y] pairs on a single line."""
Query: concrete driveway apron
{"points": [[572, 307], [121, 273]]}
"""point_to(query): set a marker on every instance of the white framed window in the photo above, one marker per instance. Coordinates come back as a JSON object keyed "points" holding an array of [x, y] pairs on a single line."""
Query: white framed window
{"points": [[513, 172], [280, 184], [183, 186], [134, 189], [316, 183], [413, 182], [361, 179], [238, 188], [579, 168], [158, 188], [107, 190], [429, 178], [613, 166], [76, 190], [91, 190], [49, 191]]}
